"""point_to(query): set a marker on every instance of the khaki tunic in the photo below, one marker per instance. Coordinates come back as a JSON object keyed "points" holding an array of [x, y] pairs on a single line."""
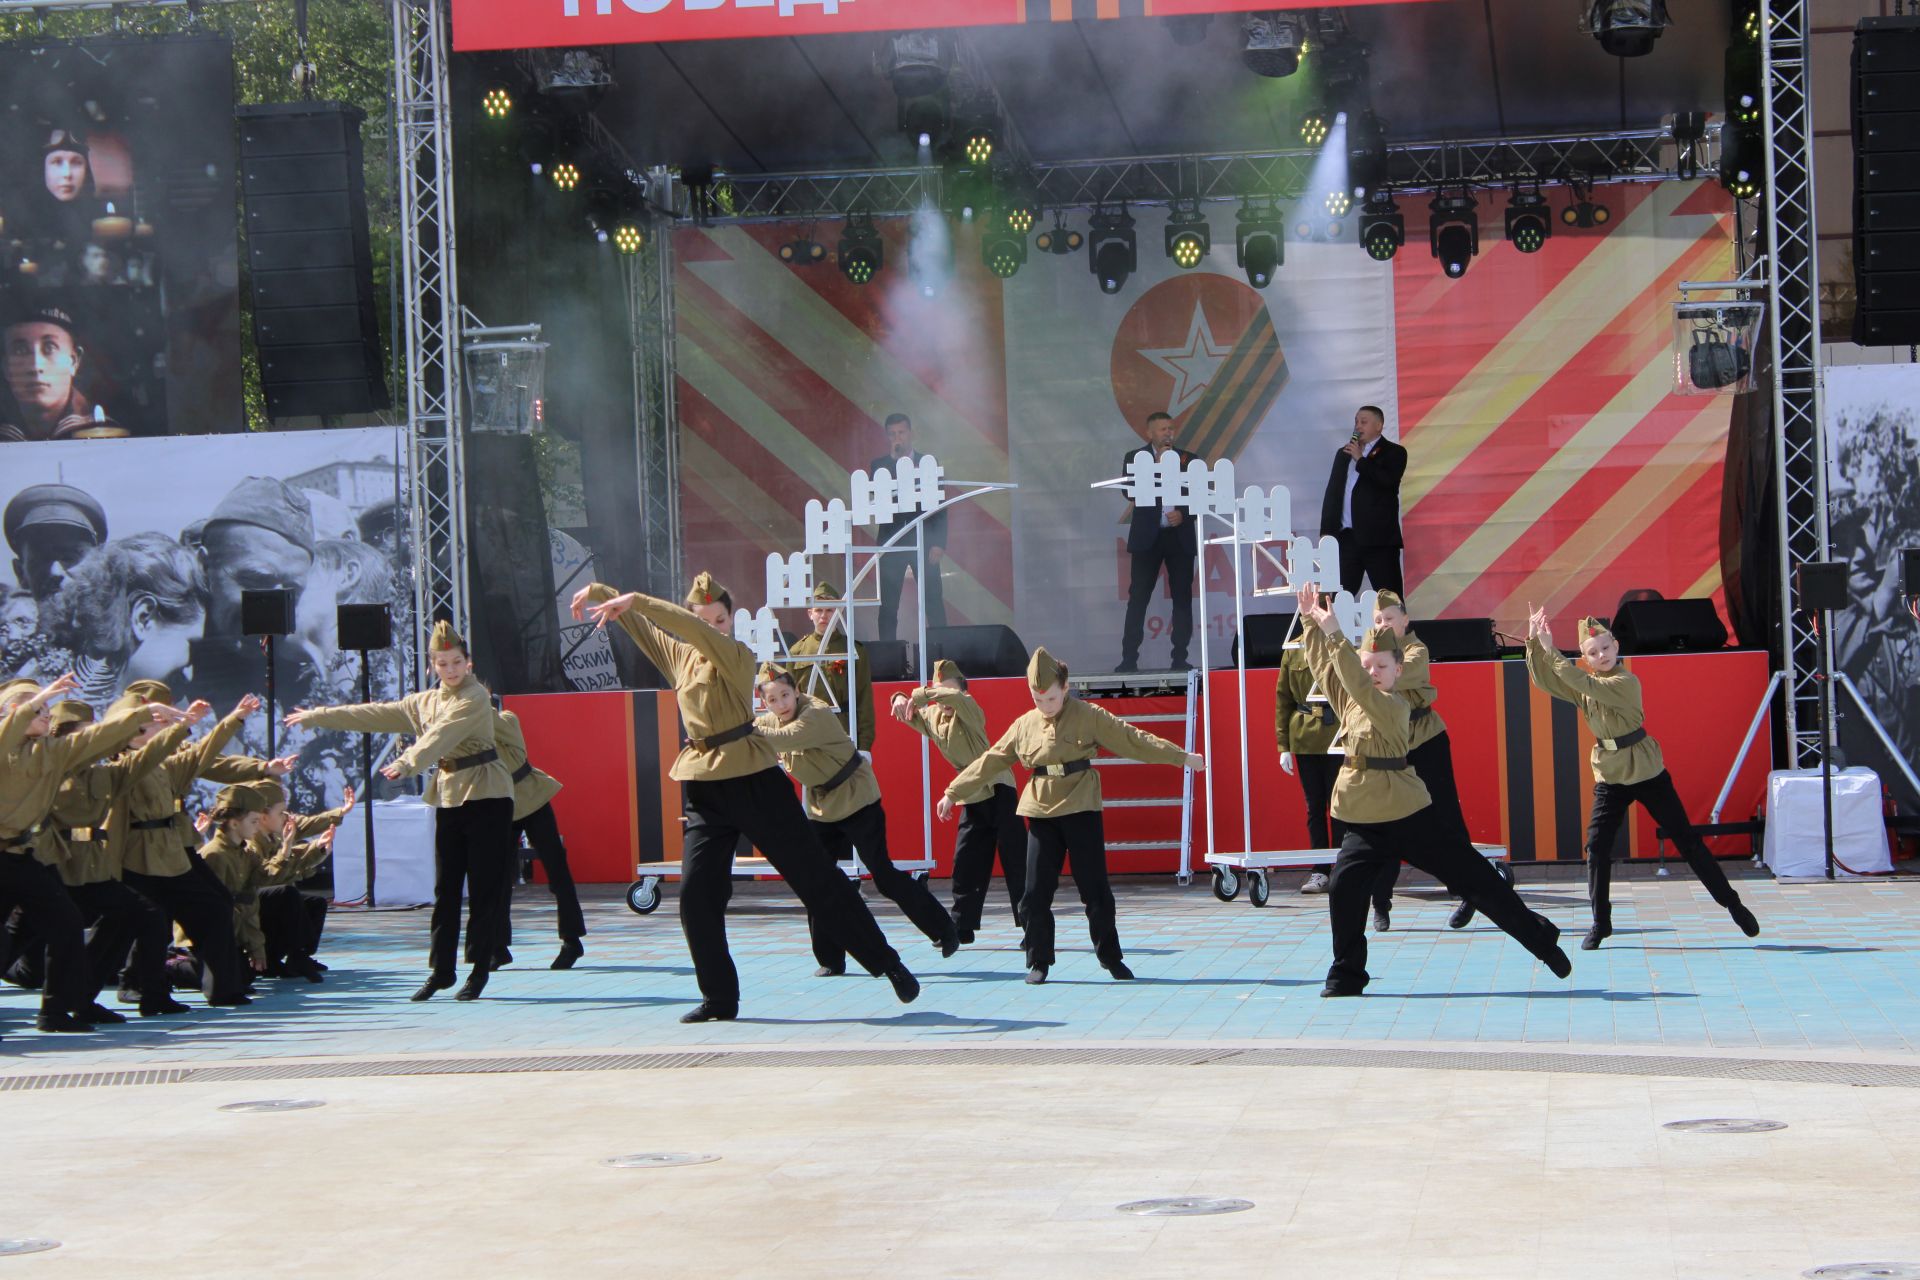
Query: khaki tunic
{"points": [[31, 775], [448, 725], [1372, 725], [713, 675], [1611, 705], [533, 792], [86, 800], [162, 793], [1301, 725], [1416, 686], [1077, 733], [833, 678], [813, 746], [246, 870], [957, 725]]}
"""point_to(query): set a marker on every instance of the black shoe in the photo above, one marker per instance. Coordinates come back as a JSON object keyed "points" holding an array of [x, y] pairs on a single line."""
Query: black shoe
{"points": [[476, 983], [1595, 936], [1548, 929], [965, 935], [830, 971], [229, 1002], [570, 951], [1126, 668], [1462, 915], [60, 1020], [950, 940], [1382, 921], [100, 1013], [1331, 992], [435, 982], [276, 969], [316, 964], [905, 985], [1557, 961], [501, 959], [707, 1011], [1120, 971], [1181, 664], [128, 996], [1036, 975], [304, 967], [1744, 918], [160, 1006]]}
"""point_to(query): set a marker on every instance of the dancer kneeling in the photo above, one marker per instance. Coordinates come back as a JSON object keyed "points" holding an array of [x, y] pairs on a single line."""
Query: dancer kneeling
{"points": [[843, 807], [1057, 742], [1387, 809], [1627, 766], [734, 788]]}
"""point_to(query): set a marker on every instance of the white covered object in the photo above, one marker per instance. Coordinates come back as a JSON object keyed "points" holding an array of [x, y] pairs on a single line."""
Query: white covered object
{"points": [[402, 851], [1795, 844]]}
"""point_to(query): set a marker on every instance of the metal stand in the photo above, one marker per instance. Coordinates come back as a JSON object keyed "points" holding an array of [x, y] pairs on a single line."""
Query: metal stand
{"points": [[272, 718], [1826, 735], [366, 773]]}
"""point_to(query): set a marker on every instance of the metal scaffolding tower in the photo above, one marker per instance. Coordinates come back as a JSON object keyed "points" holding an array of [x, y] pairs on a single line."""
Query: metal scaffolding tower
{"points": [[649, 283]]}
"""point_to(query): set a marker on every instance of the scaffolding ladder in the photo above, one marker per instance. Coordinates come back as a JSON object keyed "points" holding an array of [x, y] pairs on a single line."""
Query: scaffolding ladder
{"points": [[1153, 684]]}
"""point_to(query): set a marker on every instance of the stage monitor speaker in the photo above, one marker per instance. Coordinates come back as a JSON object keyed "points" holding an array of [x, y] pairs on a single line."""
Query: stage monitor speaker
{"points": [[310, 267], [889, 659], [982, 652], [1458, 639], [365, 626], [1821, 584], [1886, 164], [1910, 571], [1266, 635], [1669, 626], [266, 613]]}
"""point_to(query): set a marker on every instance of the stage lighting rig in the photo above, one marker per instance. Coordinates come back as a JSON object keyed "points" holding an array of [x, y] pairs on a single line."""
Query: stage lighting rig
{"points": [[1740, 161], [1337, 203], [566, 175], [1189, 238], [1626, 28], [496, 102], [1258, 237], [1366, 154], [1272, 44], [1003, 245], [628, 238], [1529, 222], [1058, 239], [1584, 211], [920, 65], [1113, 252], [1315, 126], [1020, 213], [1455, 231], [862, 252], [1382, 228], [803, 252]]}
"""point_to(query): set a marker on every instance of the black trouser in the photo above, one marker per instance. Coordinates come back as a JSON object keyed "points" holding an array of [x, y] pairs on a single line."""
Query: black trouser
{"points": [[866, 830], [1050, 841], [1612, 802], [1324, 831], [542, 831], [291, 922], [763, 807], [1457, 865], [123, 921], [1379, 565], [987, 826], [1174, 553], [893, 573], [197, 901], [472, 846], [48, 910]]}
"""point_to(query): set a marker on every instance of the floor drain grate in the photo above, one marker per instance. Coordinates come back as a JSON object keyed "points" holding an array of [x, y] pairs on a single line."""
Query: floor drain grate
{"points": [[1724, 1126], [1866, 1271], [275, 1104], [9, 1248], [1184, 1207], [658, 1160]]}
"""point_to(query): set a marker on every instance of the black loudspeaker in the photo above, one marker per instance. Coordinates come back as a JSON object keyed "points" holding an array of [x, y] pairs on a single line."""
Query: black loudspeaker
{"points": [[1886, 186], [1821, 584], [365, 626], [1266, 635], [1669, 626], [309, 265], [889, 659], [1910, 571], [266, 613], [1458, 639], [981, 652]]}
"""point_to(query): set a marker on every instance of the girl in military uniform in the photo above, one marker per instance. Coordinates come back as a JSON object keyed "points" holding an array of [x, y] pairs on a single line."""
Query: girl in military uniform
{"points": [[533, 817], [1627, 767], [471, 793], [1057, 742], [1387, 808], [291, 921]]}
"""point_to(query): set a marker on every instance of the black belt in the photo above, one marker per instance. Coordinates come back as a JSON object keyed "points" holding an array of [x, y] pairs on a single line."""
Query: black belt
{"points": [[841, 774], [473, 761], [1326, 714], [714, 741], [1625, 740], [1387, 764], [151, 824], [1062, 770], [524, 772], [1421, 713]]}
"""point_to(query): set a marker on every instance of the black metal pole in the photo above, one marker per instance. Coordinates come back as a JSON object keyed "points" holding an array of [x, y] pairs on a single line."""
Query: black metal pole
{"points": [[1826, 734], [366, 771], [271, 726]]}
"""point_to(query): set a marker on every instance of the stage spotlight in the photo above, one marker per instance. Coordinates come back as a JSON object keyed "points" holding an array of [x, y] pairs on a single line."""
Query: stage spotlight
{"points": [[919, 63], [1455, 233], [600, 234], [1003, 246], [1337, 203], [1740, 161], [1366, 154], [861, 250], [1315, 126], [804, 252], [1273, 44], [1189, 238], [1627, 28], [1058, 239], [497, 103], [979, 148], [1743, 70], [1114, 253], [1382, 229], [1528, 221], [566, 176], [1020, 217], [1583, 212], [628, 238], [1257, 247]]}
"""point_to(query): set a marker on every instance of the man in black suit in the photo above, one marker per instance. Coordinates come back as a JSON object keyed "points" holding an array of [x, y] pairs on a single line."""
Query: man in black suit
{"points": [[1362, 506], [894, 565], [1158, 536]]}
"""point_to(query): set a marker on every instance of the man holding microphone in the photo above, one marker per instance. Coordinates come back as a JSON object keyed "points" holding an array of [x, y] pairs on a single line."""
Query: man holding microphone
{"points": [[1362, 506]]}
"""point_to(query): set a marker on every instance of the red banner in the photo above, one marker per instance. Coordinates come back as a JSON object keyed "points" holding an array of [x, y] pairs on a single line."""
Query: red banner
{"points": [[529, 24]]}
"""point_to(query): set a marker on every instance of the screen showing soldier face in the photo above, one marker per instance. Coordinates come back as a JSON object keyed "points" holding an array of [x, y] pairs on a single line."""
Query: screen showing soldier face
{"points": [[119, 299]]}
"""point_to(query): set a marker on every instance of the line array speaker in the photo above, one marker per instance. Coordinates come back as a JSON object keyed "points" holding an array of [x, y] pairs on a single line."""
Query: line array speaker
{"points": [[1886, 186]]}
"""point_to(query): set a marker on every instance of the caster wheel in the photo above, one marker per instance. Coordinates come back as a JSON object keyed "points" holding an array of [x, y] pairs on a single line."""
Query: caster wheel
{"points": [[1257, 888], [643, 896], [1226, 884]]}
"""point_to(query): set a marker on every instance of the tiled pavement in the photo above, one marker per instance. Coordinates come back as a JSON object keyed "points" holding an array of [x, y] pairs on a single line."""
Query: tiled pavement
{"points": [[1833, 974]]}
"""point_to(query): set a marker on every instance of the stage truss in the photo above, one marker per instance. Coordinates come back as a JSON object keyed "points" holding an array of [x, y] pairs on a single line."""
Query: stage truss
{"points": [[650, 325]]}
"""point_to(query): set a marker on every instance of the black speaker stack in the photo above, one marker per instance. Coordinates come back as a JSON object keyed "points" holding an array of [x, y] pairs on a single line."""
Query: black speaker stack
{"points": [[1669, 626], [1886, 181], [981, 651]]}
